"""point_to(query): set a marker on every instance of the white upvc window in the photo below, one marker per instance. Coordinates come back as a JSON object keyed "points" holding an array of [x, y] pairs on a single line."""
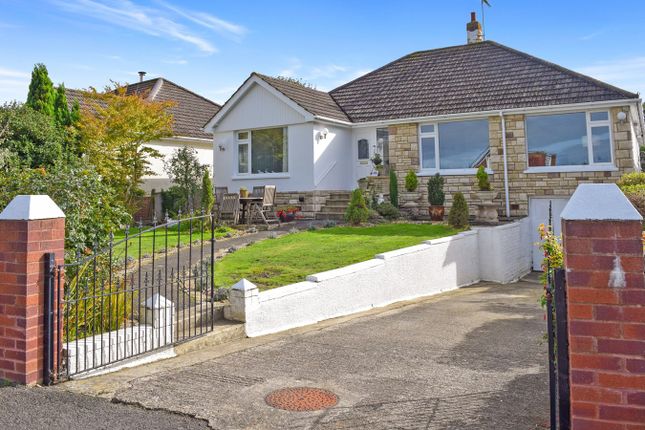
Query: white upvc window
{"points": [[262, 151], [569, 141], [454, 147]]}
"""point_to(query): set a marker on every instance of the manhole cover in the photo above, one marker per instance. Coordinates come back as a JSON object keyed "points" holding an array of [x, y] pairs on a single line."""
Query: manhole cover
{"points": [[301, 399]]}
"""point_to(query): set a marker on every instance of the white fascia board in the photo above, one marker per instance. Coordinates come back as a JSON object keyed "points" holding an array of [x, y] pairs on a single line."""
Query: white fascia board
{"points": [[185, 139], [155, 89], [484, 114], [239, 94], [325, 119]]}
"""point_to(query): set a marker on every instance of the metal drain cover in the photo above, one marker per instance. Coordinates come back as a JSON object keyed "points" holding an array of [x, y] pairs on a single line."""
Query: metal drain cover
{"points": [[301, 399]]}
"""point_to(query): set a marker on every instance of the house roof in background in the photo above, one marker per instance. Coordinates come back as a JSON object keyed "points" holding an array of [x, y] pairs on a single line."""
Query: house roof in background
{"points": [[476, 77], [190, 111]]}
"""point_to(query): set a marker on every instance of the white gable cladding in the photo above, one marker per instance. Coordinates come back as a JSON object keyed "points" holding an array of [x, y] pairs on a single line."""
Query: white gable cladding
{"points": [[256, 109]]}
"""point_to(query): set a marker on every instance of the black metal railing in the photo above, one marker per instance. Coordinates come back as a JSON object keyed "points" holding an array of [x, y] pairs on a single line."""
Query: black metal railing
{"points": [[147, 290], [556, 306]]}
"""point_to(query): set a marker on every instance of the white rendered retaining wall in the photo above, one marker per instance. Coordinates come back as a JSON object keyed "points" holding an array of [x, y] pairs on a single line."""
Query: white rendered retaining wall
{"points": [[500, 254]]}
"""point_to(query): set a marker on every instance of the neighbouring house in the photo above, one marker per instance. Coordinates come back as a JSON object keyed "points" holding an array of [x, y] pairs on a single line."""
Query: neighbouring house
{"points": [[539, 128], [190, 112]]}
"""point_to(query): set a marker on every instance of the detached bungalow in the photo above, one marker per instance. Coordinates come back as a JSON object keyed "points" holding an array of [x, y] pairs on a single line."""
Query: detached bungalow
{"points": [[540, 130]]}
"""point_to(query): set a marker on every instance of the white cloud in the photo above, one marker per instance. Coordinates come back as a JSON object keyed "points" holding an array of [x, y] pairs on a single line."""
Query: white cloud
{"points": [[626, 73], [209, 21], [324, 77], [13, 84], [179, 61], [127, 14], [10, 73]]}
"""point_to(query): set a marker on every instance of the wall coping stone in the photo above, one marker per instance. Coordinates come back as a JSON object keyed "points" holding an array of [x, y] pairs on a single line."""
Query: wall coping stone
{"points": [[28, 208], [599, 202]]}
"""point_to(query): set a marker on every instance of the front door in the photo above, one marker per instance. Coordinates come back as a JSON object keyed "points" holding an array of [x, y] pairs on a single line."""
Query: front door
{"points": [[362, 157], [539, 214]]}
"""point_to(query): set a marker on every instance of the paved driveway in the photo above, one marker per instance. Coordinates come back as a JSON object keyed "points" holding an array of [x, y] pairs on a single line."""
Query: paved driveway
{"points": [[470, 359]]}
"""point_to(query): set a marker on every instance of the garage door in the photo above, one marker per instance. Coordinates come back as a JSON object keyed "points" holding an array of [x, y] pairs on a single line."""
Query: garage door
{"points": [[539, 214]]}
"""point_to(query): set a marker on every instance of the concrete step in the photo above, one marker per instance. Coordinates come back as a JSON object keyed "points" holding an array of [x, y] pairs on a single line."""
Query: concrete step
{"points": [[334, 208], [336, 216], [337, 201], [223, 332]]}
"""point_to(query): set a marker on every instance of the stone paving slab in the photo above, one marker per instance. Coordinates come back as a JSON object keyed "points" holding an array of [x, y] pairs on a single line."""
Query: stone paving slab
{"points": [[470, 359]]}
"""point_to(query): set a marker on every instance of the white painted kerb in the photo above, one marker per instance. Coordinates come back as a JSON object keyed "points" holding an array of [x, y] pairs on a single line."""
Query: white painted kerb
{"points": [[28, 208], [599, 202]]}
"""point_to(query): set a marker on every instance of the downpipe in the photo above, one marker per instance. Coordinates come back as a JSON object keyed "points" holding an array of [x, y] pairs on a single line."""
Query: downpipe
{"points": [[506, 195]]}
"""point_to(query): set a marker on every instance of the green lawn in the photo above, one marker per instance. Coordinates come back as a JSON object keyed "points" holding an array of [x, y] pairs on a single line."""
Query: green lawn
{"points": [[160, 239], [288, 259]]}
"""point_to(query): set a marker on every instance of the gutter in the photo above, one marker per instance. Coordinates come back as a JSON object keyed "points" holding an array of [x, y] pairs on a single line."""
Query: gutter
{"points": [[506, 193]]}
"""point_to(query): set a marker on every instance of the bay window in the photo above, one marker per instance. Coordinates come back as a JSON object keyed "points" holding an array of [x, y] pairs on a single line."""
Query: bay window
{"points": [[569, 139], [263, 151], [459, 146]]}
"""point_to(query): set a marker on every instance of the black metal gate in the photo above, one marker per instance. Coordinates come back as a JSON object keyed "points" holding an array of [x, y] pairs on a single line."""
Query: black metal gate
{"points": [[556, 304], [144, 292]]}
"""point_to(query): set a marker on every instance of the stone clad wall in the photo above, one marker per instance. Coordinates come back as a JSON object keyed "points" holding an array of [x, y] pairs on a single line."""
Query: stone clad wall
{"points": [[404, 155]]}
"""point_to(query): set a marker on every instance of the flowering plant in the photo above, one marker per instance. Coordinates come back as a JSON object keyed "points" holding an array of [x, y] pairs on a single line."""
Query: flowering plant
{"points": [[551, 246]]}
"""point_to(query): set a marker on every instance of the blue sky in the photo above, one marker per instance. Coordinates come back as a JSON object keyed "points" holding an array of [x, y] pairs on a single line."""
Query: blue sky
{"points": [[211, 46]]}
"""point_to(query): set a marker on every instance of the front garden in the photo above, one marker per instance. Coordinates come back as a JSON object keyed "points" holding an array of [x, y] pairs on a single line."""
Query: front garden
{"points": [[289, 259]]}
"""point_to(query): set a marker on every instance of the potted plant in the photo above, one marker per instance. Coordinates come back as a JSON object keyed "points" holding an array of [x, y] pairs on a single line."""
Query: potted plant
{"points": [[377, 161], [411, 181], [537, 158], [486, 208], [244, 192], [436, 198]]}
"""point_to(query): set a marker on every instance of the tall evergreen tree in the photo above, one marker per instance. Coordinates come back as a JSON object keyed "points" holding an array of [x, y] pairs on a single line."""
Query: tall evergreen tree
{"points": [[62, 113], [41, 91]]}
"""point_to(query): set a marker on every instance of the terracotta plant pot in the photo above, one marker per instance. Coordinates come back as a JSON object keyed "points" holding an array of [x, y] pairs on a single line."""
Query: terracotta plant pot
{"points": [[537, 159], [436, 212]]}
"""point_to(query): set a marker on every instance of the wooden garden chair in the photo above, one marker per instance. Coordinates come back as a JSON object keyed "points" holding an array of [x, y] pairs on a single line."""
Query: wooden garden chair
{"points": [[264, 208], [229, 208], [219, 195]]}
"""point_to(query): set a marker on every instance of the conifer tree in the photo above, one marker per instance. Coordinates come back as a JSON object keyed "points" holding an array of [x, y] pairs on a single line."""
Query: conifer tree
{"points": [[41, 91]]}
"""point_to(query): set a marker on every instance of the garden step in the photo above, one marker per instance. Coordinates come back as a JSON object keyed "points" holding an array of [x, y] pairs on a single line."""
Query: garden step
{"points": [[336, 216], [334, 208]]}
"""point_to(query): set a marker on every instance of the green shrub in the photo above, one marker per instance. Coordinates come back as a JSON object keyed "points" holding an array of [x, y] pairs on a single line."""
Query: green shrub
{"points": [[458, 215], [482, 179], [90, 206], [394, 189], [357, 212], [388, 211], [631, 179], [173, 200], [436, 196], [636, 195], [411, 181]]}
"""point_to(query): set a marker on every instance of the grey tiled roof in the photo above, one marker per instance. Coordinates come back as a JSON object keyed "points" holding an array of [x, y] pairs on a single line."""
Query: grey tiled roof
{"points": [[316, 102], [190, 112], [467, 78]]}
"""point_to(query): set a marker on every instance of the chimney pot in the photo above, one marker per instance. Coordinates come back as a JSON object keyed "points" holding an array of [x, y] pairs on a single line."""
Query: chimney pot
{"points": [[474, 30], [141, 75]]}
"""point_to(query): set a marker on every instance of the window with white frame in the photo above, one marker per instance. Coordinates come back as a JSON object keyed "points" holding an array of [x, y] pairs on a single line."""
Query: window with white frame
{"points": [[569, 139], [263, 151], [455, 145]]}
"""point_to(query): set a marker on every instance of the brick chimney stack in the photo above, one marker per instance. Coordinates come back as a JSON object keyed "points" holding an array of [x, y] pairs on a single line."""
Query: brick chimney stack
{"points": [[474, 30]]}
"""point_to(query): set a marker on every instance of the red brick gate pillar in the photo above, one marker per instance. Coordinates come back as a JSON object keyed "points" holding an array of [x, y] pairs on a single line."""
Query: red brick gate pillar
{"points": [[30, 227], [603, 251]]}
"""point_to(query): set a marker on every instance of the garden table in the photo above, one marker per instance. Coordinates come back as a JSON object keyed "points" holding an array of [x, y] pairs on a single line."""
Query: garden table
{"points": [[245, 203]]}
